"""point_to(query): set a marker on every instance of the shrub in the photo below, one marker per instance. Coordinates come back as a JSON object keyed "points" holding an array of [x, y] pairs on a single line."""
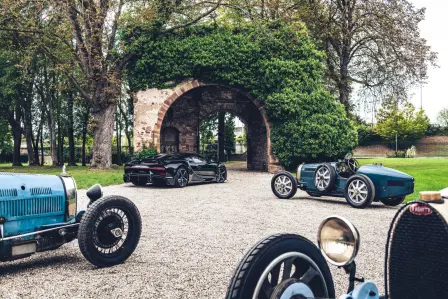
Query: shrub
{"points": [[146, 152], [308, 127], [396, 154], [411, 152]]}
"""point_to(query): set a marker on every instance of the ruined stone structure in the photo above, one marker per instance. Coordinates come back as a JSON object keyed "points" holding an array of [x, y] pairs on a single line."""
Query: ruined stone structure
{"points": [[169, 119]]}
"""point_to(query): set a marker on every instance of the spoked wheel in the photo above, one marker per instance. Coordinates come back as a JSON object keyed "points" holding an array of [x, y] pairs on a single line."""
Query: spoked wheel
{"points": [[221, 175], [284, 185], [324, 177], [280, 267], [109, 231], [181, 178], [359, 191]]}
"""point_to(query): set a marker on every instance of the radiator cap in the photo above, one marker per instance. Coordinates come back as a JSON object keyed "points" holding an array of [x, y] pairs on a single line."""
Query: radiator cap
{"points": [[430, 195]]}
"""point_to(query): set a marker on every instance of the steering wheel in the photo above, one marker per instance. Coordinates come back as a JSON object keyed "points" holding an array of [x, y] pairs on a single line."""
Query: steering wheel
{"points": [[353, 164]]}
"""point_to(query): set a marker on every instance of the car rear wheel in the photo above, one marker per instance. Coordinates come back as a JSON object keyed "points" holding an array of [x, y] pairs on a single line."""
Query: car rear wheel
{"points": [[221, 175], [393, 201], [282, 266], [359, 191], [284, 185], [181, 177], [109, 231], [324, 177]]}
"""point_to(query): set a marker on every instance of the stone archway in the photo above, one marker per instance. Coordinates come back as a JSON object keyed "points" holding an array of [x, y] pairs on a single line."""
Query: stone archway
{"points": [[184, 106]]}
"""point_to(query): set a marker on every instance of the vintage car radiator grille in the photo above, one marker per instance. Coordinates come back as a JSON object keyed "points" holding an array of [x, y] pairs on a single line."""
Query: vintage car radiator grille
{"points": [[417, 256], [40, 191], [8, 192], [32, 206]]}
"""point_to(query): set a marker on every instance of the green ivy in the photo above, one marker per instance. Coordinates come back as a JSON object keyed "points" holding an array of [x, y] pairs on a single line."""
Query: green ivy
{"points": [[276, 63]]}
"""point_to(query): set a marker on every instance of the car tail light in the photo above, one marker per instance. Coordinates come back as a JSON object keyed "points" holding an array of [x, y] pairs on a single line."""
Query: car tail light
{"points": [[417, 251]]}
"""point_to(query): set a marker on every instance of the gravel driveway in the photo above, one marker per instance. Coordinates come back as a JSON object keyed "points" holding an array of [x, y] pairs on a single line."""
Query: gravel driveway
{"points": [[192, 240]]}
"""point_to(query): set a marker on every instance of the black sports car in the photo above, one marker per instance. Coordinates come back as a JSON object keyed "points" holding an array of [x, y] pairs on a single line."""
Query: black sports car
{"points": [[178, 170]]}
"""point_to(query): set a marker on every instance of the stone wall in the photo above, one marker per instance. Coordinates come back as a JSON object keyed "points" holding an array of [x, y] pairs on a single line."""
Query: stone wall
{"points": [[188, 104]]}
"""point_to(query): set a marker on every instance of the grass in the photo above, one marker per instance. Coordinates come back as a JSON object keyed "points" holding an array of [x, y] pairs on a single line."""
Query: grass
{"points": [[83, 176], [431, 174]]}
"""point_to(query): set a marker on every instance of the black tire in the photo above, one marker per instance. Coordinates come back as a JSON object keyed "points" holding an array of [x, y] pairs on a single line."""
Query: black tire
{"points": [[181, 178], [393, 201], [369, 188], [221, 174], [101, 216], [284, 185], [313, 194], [258, 258], [327, 182]]}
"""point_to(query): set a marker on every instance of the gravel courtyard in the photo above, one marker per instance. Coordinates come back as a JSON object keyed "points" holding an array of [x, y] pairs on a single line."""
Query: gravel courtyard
{"points": [[192, 240]]}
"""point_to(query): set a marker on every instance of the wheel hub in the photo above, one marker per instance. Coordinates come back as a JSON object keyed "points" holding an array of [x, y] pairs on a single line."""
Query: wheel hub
{"points": [[292, 289]]}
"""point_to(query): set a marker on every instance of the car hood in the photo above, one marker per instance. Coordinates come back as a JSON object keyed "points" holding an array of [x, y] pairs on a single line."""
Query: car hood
{"points": [[384, 171]]}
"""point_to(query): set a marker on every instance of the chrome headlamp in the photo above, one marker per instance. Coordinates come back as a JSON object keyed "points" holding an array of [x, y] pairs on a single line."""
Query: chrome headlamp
{"points": [[70, 196], [299, 171], [338, 240]]}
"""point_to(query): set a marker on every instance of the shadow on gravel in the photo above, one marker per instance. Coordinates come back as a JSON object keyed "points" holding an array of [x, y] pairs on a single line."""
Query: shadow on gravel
{"points": [[41, 263], [342, 202], [149, 187]]}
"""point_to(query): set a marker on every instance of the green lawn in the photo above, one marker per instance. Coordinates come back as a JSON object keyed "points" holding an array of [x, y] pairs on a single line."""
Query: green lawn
{"points": [[431, 174], [83, 176]]}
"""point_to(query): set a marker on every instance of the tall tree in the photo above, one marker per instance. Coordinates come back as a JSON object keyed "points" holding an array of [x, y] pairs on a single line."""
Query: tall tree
{"points": [[89, 28], [372, 44], [442, 117], [400, 121]]}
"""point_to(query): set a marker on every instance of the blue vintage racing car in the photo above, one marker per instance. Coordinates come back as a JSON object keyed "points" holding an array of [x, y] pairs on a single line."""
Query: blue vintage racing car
{"points": [[40, 213], [360, 186]]}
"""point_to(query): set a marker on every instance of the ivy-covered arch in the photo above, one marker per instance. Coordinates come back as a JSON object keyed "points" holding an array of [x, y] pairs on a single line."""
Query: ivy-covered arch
{"points": [[276, 64]]}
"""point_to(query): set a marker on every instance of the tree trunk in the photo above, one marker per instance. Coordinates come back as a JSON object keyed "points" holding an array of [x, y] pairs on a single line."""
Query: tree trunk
{"points": [[42, 161], [52, 134], [118, 135], [84, 139], [71, 137], [60, 137], [221, 136], [103, 130], [28, 125], [14, 121], [29, 143], [36, 146]]}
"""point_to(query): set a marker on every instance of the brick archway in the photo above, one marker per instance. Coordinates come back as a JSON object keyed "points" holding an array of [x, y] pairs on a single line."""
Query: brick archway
{"points": [[190, 100]]}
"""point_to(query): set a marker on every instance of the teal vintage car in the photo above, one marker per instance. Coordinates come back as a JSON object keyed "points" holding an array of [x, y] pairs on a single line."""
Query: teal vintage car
{"points": [[360, 186], [40, 213]]}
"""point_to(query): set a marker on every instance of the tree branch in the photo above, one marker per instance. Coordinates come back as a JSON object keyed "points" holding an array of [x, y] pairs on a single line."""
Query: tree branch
{"points": [[197, 19]]}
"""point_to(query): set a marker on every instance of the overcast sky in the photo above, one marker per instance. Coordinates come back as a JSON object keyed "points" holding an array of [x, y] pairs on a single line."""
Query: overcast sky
{"points": [[434, 29]]}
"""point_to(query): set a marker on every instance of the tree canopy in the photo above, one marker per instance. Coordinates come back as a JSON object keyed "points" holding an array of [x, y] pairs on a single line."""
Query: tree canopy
{"points": [[375, 45], [401, 121]]}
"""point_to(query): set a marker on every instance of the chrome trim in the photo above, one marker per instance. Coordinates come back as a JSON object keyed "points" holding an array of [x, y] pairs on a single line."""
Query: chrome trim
{"points": [[35, 233], [299, 172], [356, 236], [71, 197]]}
